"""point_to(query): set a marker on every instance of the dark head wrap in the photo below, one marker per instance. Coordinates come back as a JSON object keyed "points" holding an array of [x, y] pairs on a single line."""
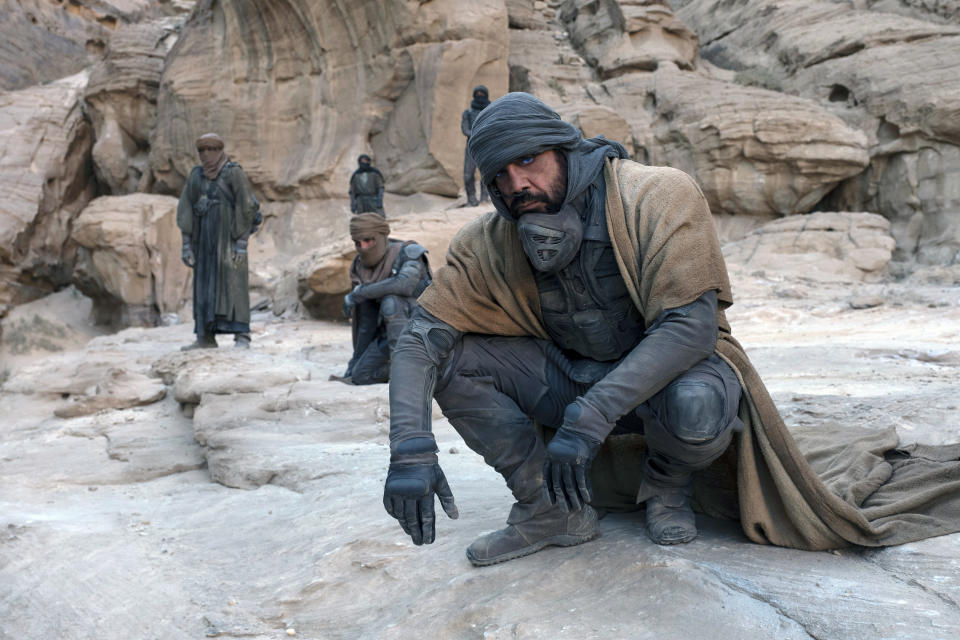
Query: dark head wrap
{"points": [[518, 125], [364, 164], [481, 98]]}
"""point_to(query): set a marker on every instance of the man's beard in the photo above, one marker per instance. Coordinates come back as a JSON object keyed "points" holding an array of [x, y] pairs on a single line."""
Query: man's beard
{"points": [[553, 198]]}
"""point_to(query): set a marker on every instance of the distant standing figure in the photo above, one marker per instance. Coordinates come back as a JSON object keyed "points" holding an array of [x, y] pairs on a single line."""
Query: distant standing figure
{"points": [[388, 275], [481, 98], [366, 188], [216, 214]]}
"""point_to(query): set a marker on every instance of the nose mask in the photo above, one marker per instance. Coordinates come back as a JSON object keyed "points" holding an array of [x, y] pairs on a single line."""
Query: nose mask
{"points": [[550, 240]]}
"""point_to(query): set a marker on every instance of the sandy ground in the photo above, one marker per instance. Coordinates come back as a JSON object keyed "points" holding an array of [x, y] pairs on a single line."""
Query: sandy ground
{"points": [[246, 501]]}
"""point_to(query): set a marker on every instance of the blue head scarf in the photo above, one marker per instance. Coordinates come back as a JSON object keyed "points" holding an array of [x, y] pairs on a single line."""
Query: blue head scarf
{"points": [[518, 125]]}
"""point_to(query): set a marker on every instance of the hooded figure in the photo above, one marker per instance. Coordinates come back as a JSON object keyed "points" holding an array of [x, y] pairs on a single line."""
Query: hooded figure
{"points": [[217, 212], [576, 339], [366, 188], [387, 275], [481, 98]]}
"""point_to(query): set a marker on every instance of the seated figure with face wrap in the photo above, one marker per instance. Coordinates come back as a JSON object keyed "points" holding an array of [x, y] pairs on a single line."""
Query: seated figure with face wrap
{"points": [[387, 275]]}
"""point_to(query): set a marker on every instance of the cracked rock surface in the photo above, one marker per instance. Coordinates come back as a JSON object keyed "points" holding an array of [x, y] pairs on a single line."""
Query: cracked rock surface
{"points": [[246, 500]]}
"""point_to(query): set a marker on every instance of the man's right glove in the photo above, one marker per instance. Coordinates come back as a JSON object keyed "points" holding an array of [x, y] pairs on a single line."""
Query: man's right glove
{"points": [[350, 301], [566, 470], [186, 254], [413, 478]]}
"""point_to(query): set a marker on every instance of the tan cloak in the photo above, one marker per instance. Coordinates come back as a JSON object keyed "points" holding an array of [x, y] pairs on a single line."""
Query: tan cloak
{"points": [[814, 489]]}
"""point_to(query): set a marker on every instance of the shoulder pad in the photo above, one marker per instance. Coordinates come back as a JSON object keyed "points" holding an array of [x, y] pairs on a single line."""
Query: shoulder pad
{"points": [[413, 250]]}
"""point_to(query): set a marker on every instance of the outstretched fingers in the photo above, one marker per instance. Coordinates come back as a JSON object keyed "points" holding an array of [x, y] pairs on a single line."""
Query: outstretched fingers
{"points": [[446, 496]]}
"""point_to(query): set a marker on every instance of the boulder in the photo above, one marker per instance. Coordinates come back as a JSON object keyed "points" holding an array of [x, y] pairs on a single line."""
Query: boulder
{"points": [[298, 91], [753, 151], [822, 247], [46, 181], [129, 258], [54, 323]]}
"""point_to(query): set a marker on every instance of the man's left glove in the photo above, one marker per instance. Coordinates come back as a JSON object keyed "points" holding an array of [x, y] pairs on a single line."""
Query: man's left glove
{"points": [[566, 470], [412, 480]]}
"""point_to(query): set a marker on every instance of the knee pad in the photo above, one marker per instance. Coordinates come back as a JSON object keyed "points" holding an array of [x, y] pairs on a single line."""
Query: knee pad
{"points": [[696, 411], [389, 306]]}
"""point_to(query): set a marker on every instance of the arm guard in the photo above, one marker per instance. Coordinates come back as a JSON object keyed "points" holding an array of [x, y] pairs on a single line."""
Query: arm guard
{"points": [[423, 348], [403, 284], [677, 340]]}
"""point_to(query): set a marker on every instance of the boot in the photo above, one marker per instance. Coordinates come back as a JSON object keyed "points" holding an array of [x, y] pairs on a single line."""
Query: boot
{"points": [[205, 341], [241, 340], [552, 527], [670, 518]]}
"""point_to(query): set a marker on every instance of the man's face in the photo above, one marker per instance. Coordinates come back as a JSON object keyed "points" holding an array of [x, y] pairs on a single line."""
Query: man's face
{"points": [[533, 184], [209, 153]]}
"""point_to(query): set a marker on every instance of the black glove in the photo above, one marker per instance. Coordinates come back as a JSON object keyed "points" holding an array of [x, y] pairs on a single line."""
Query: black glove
{"points": [[412, 481], [566, 470], [240, 247], [351, 300], [186, 254]]}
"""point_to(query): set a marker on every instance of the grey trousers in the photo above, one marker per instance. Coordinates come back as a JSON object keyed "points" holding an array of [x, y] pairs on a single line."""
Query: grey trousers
{"points": [[493, 388], [371, 361]]}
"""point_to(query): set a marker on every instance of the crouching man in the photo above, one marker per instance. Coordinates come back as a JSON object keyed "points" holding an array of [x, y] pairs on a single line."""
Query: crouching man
{"points": [[589, 302], [387, 275]]}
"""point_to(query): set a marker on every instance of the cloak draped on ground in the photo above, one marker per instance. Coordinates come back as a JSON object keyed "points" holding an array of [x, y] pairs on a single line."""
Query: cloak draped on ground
{"points": [[814, 489]]}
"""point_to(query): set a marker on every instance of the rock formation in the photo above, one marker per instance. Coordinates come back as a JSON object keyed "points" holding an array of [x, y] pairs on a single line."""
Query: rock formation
{"points": [[45, 40], [300, 89], [884, 74], [121, 100], [46, 179]]}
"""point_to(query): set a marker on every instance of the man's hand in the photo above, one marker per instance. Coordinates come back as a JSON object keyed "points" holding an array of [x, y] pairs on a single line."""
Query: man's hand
{"points": [[186, 254], [566, 471], [413, 479], [351, 300], [408, 497], [240, 247]]}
